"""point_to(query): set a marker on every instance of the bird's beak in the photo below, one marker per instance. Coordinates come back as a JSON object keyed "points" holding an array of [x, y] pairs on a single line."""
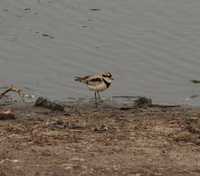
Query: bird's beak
{"points": [[112, 78]]}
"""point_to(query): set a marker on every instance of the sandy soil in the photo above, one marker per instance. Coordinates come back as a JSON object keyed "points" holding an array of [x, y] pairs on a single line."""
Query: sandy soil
{"points": [[85, 140]]}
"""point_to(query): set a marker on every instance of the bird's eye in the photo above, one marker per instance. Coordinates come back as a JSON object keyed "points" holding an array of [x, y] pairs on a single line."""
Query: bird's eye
{"points": [[107, 75]]}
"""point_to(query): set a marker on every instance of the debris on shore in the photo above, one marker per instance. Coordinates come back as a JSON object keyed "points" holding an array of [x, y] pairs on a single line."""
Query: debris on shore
{"points": [[12, 88], [7, 115], [194, 81], [143, 101], [52, 105]]}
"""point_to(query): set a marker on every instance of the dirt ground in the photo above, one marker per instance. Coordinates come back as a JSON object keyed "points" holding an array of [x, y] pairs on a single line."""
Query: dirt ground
{"points": [[103, 141]]}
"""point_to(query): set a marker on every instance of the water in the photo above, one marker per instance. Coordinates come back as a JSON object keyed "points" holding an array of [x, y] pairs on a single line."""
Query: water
{"points": [[150, 46]]}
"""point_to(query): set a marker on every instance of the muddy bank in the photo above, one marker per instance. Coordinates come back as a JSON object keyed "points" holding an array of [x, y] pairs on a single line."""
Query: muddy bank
{"points": [[108, 140]]}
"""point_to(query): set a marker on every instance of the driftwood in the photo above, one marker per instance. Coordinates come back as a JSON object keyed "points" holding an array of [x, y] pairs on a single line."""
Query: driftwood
{"points": [[12, 88], [8, 114], [46, 103]]}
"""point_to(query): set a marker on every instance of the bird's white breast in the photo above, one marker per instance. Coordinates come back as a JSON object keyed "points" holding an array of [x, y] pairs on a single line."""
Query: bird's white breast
{"points": [[98, 87]]}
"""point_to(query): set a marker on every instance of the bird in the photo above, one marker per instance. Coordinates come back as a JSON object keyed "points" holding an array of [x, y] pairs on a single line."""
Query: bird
{"points": [[97, 83]]}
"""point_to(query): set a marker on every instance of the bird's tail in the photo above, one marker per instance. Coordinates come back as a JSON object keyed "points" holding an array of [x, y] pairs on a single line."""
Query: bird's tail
{"points": [[77, 78]]}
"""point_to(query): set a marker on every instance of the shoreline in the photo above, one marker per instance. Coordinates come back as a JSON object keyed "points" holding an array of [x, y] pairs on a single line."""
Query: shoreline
{"points": [[108, 140]]}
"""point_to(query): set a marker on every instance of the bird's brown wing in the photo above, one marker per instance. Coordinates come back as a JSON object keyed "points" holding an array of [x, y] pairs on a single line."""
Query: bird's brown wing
{"points": [[94, 80], [81, 79], [90, 80]]}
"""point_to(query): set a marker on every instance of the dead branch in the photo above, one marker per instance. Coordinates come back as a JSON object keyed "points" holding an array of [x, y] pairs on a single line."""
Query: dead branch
{"points": [[12, 88]]}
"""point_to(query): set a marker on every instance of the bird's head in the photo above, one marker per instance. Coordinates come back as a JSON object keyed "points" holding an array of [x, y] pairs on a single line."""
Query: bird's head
{"points": [[107, 76]]}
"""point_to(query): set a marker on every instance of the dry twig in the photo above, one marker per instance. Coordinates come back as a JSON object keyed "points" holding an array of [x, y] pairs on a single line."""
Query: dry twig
{"points": [[12, 88]]}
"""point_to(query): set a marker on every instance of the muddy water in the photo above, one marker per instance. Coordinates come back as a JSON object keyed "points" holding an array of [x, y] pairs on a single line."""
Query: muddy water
{"points": [[150, 46]]}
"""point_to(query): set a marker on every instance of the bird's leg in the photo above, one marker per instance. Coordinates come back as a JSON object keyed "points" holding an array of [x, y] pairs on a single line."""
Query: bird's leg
{"points": [[98, 95], [95, 96]]}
